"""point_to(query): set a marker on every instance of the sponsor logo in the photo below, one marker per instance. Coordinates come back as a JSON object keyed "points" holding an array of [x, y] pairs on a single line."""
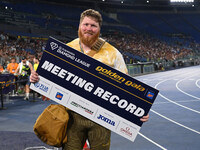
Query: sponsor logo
{"points": [[53, 45], [36, 85], [126, 131], [107, 120], [41, 87], [83, 108], [110, 74], [150, 95], [66, 53], [59, 95]]}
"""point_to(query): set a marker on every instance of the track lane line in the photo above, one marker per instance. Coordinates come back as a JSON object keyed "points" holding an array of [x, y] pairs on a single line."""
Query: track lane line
{"points": [[184, 101], [197, 83], [167, 74], [196, 111], [175, 122], [184, 91], [152, 141], [159, 78], [174, 101]]}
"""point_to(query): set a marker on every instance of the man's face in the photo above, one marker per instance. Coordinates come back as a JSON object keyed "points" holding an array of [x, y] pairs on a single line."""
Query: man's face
{"points": [[24, 60], [12, 60], [89, 31], [34, 60]]}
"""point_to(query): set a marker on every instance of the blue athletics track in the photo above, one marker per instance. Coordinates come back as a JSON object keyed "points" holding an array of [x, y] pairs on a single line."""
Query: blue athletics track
{"points": [[174, 122]]}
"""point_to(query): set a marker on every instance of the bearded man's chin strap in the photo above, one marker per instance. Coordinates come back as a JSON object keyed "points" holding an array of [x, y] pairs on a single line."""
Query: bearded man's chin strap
{"points": [[98, 44]]}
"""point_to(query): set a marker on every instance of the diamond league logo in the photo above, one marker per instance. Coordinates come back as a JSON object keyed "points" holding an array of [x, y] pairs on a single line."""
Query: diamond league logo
{"points": [[53, 45]]}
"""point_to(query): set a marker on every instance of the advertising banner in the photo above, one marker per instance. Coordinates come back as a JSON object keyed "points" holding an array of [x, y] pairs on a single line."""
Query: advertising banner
{"points": [[94, 90], [6, 81]]}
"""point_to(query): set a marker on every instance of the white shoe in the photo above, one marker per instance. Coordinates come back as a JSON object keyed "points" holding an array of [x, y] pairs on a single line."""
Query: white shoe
{"points": [[26, 98]]}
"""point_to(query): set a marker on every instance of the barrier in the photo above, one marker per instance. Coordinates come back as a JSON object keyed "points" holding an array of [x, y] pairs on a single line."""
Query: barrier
{"points": [[134, 69], [148, 68], [139, 68], [7, 84], [6, 81]]}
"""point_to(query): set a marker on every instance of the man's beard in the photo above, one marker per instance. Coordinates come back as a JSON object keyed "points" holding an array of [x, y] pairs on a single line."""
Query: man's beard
{"points": [[88, 41]]}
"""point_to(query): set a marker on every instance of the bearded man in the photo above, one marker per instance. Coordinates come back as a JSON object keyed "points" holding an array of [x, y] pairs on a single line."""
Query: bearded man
{"points": [[89, 43]]}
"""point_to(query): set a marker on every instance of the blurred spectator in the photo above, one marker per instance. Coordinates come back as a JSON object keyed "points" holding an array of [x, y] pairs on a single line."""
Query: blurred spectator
{"points": [[36, 63], [146, 46], [18, 47], [1, 68], [24, 70], [35, 66], [134, 48], [12, 66]]}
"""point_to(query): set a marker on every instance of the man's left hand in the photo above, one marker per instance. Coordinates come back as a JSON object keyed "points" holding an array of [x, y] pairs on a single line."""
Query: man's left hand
{"points": [[145, 118]]}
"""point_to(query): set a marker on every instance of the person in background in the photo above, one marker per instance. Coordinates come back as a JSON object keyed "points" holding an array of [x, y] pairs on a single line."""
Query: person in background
{"points": [[36, 63], [12, 67], [1, 69], [35, 66], [24, 70]]}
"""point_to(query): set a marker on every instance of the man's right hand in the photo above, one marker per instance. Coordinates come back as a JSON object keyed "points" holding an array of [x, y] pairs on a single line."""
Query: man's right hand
{"points": [[34, 77]]}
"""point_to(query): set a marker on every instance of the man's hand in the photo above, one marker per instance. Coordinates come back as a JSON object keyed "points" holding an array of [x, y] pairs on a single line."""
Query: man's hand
{"points": [[145, 118], [34, 77]]}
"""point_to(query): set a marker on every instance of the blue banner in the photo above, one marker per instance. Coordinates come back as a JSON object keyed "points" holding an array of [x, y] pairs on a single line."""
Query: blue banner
{"points": [[6, 81], [79, 82]]}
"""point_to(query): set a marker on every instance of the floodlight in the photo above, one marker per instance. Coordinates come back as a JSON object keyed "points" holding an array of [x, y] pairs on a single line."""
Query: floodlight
{"points": [[182, 1]]}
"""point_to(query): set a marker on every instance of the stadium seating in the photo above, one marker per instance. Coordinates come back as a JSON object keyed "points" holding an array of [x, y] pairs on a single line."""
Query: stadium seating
{"points": [[39, 19]]}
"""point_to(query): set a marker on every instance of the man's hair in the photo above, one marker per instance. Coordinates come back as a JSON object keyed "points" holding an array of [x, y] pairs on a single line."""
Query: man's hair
{"points": [[36, 57], [92, 13]]}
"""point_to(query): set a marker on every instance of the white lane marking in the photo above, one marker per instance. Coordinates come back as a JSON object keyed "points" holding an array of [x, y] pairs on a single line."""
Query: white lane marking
{"points": [[162, 75], [197, 83], [40, 147], [152, 141], [184, 91], [179, 104], [175, 122], [185, 101], [170, 74], [174, 101]]}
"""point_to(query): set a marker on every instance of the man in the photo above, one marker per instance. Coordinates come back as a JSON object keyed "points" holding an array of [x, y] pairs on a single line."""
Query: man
{"points": [[36, 63], [24, 70], [89, 43], [12, 66], [1, 68]]}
